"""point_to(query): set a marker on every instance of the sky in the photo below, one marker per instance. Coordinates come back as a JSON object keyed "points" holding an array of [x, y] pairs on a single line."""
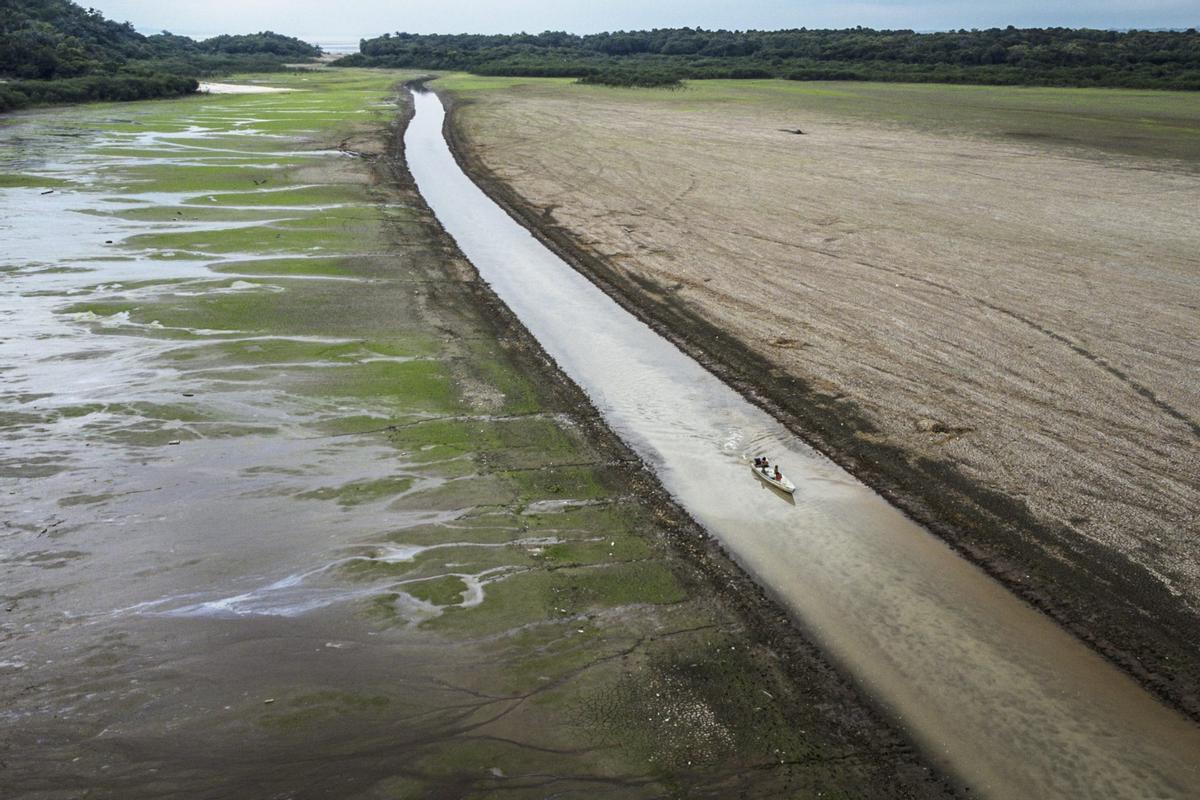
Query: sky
{"points": [[330, 20]]}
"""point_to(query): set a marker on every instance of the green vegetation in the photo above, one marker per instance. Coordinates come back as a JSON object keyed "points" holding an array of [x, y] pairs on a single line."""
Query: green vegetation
{"points": [[94, 87], [634, 78], [54, 51], [1145, 124], [1006, 56], [266, 42]]}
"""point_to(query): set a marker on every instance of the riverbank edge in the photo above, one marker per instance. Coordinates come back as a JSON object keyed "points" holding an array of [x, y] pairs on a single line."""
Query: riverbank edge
{"points": [[766, 622], [1116, 607]]}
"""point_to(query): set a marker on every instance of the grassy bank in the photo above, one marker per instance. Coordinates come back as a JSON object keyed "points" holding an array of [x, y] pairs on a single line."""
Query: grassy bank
{"points": [[334, 523]]}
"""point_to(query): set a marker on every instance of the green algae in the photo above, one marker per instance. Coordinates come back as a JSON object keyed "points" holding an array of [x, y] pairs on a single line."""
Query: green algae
{"points": [[16, 420], [151, 213], [330, 266], [284, 350], [412, 385], [573, 482], [299, 196], [447, 590], [520, 394], [623, 547], [472, 490], [100, 308], [382, 608], [504, 443], [360, 492], [165, 178], [26, 181], [544, 595], [280, 236], [83, 499]]}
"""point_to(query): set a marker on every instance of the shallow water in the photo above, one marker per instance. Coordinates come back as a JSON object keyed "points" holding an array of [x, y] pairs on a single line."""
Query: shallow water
{"points": [[993, 690], [166, 508]]}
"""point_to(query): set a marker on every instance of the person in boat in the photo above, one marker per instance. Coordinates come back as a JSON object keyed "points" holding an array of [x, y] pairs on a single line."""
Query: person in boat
{"points": [[778, 474], [760, 462]]}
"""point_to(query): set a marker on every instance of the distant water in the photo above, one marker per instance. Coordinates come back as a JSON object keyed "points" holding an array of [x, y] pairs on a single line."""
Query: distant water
{"points": [[339, 47], [336, 46]]}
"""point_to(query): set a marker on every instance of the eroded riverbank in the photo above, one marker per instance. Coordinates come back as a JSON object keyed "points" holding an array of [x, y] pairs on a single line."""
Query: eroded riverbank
{"points": [[291, 506]]}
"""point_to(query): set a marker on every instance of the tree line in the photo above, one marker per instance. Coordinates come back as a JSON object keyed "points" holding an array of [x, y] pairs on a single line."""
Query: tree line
{"points": [[1030, 56], [54, 51]]}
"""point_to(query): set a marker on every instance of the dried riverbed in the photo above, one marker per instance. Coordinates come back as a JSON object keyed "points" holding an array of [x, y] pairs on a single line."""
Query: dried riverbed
{"points": [[980, 300], [290, 507]]}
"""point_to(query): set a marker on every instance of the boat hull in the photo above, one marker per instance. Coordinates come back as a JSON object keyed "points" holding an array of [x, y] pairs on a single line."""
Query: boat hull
{"points": [[782, 485]]}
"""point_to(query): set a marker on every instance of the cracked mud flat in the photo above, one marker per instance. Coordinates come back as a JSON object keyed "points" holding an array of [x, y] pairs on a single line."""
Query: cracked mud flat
{"points": [[289, 507], [984, 302]]}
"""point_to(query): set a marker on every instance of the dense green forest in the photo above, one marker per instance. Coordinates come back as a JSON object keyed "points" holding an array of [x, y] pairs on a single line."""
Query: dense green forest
{"points": [[54, 51], [1034, 56]]}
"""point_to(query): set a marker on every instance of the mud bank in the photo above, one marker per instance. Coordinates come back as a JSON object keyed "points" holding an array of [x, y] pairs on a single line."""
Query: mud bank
{"points": [[1118, 607]]}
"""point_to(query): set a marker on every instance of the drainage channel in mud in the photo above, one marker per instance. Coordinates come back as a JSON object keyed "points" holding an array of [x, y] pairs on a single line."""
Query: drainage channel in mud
{"points": [[995, 692]]}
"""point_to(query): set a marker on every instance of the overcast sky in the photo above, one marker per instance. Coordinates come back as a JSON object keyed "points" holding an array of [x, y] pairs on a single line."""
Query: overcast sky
{"points": [[351, 19]]}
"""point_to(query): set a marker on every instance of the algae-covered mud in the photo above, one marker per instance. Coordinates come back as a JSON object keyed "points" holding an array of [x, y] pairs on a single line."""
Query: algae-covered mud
{"points": [[289, 508]]}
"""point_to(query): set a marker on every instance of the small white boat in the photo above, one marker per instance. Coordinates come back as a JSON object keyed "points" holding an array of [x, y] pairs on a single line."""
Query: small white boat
{"points": [[767, 475]]}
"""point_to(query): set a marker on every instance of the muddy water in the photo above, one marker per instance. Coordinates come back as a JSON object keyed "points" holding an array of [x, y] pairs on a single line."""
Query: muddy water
{"points": [[993, 690]]}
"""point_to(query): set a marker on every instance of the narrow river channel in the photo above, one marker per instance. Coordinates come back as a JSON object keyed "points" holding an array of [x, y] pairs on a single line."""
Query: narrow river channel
{"points": [[995, 692]]}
